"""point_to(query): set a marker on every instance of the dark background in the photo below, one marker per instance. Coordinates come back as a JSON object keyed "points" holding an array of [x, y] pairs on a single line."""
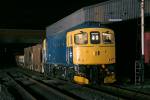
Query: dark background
{"points": [[31, 15]]}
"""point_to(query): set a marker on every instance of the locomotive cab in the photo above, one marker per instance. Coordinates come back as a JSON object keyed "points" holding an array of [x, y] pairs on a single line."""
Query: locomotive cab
{"points": [[91, 50]]}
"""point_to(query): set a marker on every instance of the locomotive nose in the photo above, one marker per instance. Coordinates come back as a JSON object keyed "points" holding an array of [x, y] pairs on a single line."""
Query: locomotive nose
{"points": [[96, 53]]}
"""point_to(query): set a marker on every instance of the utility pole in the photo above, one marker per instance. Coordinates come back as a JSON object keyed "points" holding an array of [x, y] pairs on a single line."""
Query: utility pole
{"points": [[139, 65], [142, 39], [142, 27]]}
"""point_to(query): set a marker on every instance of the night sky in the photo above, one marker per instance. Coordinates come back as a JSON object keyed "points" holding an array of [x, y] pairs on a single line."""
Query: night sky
{"points": [[29, 14]]}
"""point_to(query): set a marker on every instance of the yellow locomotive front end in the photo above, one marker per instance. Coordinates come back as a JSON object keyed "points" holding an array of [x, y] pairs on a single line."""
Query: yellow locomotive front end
{"points": [[93, 48]]}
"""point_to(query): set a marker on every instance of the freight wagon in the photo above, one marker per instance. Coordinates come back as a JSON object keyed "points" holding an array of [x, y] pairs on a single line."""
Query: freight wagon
{"points": [[33, 58], [20, 60], [28, 58]]}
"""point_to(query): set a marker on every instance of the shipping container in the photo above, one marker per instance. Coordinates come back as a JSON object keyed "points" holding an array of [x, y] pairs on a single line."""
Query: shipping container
{"points": [[107, 12], [37, 58], [147, 8], [28, 58], [147, 47], [20, 60]]}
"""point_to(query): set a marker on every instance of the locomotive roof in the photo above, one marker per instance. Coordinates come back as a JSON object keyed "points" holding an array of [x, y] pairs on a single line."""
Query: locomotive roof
{"points": [[106, 12]]}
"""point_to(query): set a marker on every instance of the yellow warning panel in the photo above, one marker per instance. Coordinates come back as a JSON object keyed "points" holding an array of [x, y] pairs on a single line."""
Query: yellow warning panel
{"points": [[81, 80]]}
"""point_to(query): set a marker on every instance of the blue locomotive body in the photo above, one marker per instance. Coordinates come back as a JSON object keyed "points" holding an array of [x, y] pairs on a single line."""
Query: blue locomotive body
{"points": [[66, 57], [56, 49], [56, 45]]}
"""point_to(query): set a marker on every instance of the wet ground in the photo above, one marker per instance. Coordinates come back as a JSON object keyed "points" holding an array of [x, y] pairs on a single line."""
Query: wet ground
{"points": [[8, 91], [145, 87], [5, 91]]}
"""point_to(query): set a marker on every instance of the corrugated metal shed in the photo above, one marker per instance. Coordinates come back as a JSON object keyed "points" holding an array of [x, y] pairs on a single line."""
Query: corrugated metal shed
{"points": [[147, 7], [105, 12], [67, 22], [112, 10]]}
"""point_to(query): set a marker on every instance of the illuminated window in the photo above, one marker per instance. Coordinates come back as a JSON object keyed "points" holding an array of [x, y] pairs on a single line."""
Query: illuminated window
{"points": [[95, 37], [81, 38]]}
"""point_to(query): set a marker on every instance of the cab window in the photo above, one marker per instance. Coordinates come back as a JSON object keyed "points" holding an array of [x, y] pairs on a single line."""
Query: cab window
{"points": [[107, 38], [95, 37], [81, 38]]}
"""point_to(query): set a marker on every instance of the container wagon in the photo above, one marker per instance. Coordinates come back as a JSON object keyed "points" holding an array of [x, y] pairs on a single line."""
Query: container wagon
{"points": [[28, 58], [20, 60], [37, 58], [33, 58]]}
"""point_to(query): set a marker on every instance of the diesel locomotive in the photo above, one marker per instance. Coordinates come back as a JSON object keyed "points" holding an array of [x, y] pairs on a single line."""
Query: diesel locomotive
{"points": [[85, 55], [79, 47]]}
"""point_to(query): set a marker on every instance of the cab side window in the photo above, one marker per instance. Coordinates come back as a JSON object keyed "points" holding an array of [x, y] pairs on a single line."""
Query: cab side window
{"points": [[81, 38], [107, 38]]}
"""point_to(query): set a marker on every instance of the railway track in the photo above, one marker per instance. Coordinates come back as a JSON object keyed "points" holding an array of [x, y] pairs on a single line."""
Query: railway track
{"points": [[122, 92], [87, 92], [31, 89], [81, 92], [24, 94], [133, 90]]}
